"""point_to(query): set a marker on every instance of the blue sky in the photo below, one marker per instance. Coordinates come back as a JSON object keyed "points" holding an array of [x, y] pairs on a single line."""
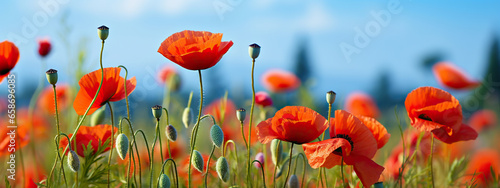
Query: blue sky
{"points": [[461, 30]]}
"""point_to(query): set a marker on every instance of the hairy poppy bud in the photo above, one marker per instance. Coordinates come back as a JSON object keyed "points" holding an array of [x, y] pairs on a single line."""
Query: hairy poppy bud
{"points": [[156, 109], [97, 117], [51, 76], [187, 117], [217, 136], [241, 114], [330, 97], [164, 181], [174, 82], [103, 32], [254, 50], [293, 182], [259, 157], [276, 151], [378, 185], [171, 133], [73, 161], [197, 161], [122, 145], [222, 169]]}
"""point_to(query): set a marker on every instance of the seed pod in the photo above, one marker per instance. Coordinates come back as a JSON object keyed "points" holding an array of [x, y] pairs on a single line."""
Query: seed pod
{"points": [[97, 117], [241, 114], [122, 145], [164, 181], [276, 154], [293, 182], [254, 50], [222, 169], [171, 133], [51, 76], [73, 161], [156, 110], [330, 97], [197, 161], [259, 157], [187, 117], [217, 136], [103, 32]]}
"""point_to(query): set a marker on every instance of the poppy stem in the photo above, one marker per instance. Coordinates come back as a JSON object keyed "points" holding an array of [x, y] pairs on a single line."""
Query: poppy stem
{"points": [[342, 171], [303, 168], [112, 140], [243, 135], [58, 131], [250, 123], [136, 149], [262, 169], [430, 160], [175, 168], [151, 162], [208, 164], [277, 163], [91, 103], [137, 152], [125, 90], [195, 129], [289, 166]]}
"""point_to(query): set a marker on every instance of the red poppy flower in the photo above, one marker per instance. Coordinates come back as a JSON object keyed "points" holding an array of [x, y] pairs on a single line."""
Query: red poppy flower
{"points": [[353, 141], [378, 130], [263, 99], [112, 89], [483, 119], [279, 81], [9, 56], [481, 163], [33, 173], [39, 124], [215, 109], [451, 76], [165, 73], [95, 135], [296, 124], [44, 47], [194, 50], [362, 104], [46, 99], [432, 109], [22, 136]]}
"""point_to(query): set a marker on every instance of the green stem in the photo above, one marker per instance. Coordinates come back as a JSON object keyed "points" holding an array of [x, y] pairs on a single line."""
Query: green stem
{"points": [[137, 151], [342, 171], [303, 168], [112, 141], [125, 89], [208, 164], [195, 129], [262, 169], [250, 124], [91, 103], [289, 166], [243, 135], [175, 167], [153, 152], [136, 148], [430, 160], [277, 163], [321, 169]]}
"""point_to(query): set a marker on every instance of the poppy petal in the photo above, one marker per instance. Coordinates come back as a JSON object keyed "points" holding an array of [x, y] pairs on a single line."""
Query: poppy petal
{"points": [[265, 132], [463, 134], [120, 91], [320, 154], [368, 171], [362, 138], [377, 129], [451, 76]]}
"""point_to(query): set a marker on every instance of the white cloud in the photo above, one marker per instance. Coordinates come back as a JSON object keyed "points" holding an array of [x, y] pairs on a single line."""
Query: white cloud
{"points": [[316, 19]]}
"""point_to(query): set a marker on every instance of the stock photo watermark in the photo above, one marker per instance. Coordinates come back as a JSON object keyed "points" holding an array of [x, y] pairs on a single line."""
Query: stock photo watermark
{"points": [[31, 26], [11, 126], [363, 36], [223, 6]]}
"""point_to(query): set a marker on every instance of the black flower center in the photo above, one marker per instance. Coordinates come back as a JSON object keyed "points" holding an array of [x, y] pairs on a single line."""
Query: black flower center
{"points": [[424, 117], [338, 151]]}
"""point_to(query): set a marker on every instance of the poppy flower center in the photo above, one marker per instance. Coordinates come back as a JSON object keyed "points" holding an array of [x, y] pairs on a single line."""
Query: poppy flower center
{"points": [[424, 117], [338, 151]]}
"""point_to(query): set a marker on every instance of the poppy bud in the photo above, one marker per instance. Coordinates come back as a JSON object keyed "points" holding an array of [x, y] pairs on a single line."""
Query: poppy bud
{"points": [[293, 182], [103, 32], [378, 185], [241, 114], [259, 157], [164, 181], [262, 98], [254, 50], [51, 76], [175, 82], [330, 97], [97, 117], [276, 154], [156, 109], [222, 169], [73, 161], [44, 47], [187, 117], [122, 145], [171, 133], [197, 161], [217, 136]]}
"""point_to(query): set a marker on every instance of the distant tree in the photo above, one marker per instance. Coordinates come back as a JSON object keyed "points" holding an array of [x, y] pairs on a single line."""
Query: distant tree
{"points": [[491, 79], [382, 90], [302, 61], [430, 59]]}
